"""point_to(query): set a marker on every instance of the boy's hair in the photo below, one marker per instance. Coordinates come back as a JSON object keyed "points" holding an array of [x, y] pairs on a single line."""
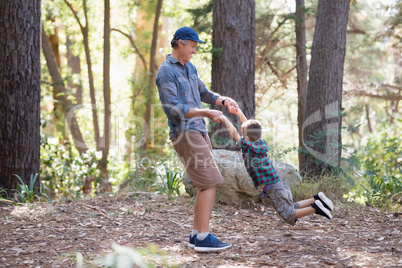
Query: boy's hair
{"points": [[252, 129]]}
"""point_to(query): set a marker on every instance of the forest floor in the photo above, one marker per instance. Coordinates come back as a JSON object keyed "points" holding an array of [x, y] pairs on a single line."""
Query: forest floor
{"points": [[51, 235]]}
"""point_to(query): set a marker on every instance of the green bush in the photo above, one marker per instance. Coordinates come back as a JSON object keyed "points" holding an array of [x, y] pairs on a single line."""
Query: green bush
{"points": [[155, 172], [62, 170], [380, 165]]}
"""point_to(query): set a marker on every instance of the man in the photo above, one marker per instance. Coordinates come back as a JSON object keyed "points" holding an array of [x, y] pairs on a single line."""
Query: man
{"points": [[181, 92]]}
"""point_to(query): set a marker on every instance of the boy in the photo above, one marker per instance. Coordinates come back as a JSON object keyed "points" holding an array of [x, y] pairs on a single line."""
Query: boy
{"points": [[261, 170]]}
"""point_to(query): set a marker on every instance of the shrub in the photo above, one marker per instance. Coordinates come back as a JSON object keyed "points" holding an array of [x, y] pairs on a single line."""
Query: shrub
{"points": [[62, 170]]}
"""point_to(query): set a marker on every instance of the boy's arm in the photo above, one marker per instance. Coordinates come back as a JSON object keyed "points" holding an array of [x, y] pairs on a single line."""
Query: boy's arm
{"points": [[242, 116], [232, 130]]}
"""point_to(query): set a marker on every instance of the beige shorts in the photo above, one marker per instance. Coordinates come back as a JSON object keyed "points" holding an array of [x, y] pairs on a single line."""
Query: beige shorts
{"points": [[282, 201], [195, 152]]}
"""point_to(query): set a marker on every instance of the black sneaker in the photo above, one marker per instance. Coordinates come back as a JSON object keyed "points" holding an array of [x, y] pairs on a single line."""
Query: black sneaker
{"points": [[191, 241], [210, 243], [321, 210], [324, 200]]}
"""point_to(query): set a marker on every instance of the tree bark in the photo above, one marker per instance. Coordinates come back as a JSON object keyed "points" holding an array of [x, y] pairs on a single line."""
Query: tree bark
{"points": [[20, 91], [85, 36], [301, 65], [59, 88], [105, 185], [57, 109], [322, 127], [74, 62], [367, 110], [151, 81], [233, 69]]}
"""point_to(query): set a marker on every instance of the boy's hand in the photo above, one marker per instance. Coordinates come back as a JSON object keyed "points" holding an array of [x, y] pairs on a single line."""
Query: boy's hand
{"points": [[235, 110], [239, 113]]}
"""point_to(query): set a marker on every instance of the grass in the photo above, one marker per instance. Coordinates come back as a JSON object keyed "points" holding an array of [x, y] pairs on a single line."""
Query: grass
{"points": [[334, 187], [28, 193]]}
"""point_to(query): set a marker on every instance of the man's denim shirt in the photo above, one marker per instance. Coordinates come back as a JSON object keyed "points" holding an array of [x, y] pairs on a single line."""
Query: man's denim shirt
{"points": [[179, 92]]}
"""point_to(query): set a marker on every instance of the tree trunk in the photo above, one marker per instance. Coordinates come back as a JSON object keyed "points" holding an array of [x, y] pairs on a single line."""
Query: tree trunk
{"points": [[92, 93], [145, 25], [59, 88], [367, 110], [57, 109], [301, 64], [105, 185], [322, 127], [20, 91], [151, 81], [74, 62], [85, 36], [233, 70], [91, 88]]}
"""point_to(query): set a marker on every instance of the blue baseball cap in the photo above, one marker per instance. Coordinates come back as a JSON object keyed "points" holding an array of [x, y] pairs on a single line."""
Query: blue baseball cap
{"points": [[186, 33]]}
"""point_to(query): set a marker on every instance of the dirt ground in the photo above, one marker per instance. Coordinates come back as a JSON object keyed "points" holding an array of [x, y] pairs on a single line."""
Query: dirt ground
{"points": [[50, 235]]}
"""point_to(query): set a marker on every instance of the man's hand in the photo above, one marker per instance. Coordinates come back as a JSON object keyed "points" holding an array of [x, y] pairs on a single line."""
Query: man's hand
{"points": [[215, 115], [231, 103]]}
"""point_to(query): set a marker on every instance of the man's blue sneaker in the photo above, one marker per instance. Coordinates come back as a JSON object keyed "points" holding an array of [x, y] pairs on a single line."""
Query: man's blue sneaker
{"points": [[191, 241], [210, 243]]}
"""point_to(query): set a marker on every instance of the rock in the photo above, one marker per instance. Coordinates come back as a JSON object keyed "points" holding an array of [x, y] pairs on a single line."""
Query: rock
{"points": [[237, 186]]}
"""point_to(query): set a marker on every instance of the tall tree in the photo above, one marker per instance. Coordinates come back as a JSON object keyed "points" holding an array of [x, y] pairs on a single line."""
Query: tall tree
{"points": [[101, 143], [322, 127], [146, 45], [19, 90], [151, 78], [74, 62], [107, 102], [233, 68], [301, 63]]}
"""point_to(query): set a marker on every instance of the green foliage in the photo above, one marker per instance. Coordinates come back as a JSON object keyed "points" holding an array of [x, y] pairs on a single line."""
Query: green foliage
{"points": [[4, 196], [3, 192], [384, 190], [28, 193], [156, 172], [62, 170], [171, 181], [202, 17], [333, 186], [380, 180], [140, 180]]}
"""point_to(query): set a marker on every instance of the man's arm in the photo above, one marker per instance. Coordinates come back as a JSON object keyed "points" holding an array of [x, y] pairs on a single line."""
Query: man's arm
{"points": [[232, 130]]}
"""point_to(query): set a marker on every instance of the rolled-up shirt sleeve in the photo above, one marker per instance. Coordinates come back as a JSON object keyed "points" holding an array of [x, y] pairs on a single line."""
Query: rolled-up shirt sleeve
{"points": [[206, 95], [168, 93]]}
